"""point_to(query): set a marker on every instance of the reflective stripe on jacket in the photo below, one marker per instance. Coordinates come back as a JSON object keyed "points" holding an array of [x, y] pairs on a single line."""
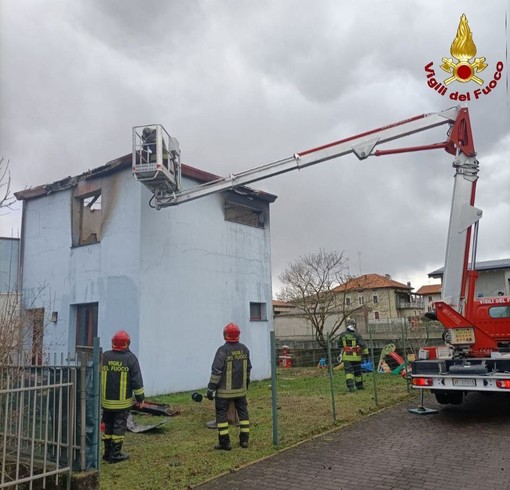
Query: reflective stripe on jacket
{"points": [[353, 346], [230, 372], [121, 377]]}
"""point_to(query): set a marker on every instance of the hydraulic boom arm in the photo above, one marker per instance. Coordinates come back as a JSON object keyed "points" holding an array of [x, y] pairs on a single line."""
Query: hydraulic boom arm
{"points": [[458, 143], [361, 145]]}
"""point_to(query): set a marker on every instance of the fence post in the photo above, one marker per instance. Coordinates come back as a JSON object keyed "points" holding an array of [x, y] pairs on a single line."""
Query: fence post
{"points": [[274, 401], [330, 372], [96, 395], [404, 347], [375, 371]]}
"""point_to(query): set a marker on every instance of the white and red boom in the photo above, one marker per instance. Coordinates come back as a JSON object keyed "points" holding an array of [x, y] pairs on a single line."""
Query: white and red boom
{"points": [[459, 143]]}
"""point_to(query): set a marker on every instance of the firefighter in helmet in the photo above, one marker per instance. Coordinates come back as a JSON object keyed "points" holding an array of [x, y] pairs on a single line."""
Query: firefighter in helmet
{"points": [[150, 146], [121, 378], [230, 378], [353, 349]]}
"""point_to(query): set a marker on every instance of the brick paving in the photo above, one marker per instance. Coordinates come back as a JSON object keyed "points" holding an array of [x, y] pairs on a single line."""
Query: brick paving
{"points": [[461, 447]]}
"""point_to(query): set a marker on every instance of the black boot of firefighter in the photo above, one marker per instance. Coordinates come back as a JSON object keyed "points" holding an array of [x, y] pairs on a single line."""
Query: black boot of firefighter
{"points": [[243, 439], [117, 455], [107, 450], [223, 443], [359, 386]]}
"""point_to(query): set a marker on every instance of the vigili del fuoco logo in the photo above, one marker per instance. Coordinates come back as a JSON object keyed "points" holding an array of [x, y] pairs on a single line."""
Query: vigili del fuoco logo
{"points": [[464, 67]]}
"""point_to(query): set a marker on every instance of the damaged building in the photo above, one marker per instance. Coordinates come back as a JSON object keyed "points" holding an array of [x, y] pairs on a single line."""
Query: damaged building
{"points": [[97, 258]]}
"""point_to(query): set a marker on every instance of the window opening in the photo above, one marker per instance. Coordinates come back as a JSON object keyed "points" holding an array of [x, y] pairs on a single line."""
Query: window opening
{"points": [[257, 311], [86, 325], [87, 219], [36, 319], [244, 214]]}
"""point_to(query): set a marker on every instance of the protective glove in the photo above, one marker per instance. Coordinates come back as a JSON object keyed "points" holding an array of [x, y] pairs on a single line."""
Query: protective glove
{"points": [[139, 405], [210, 395]]}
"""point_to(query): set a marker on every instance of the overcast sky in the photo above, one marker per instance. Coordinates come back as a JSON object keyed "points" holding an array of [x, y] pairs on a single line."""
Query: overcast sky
{"points": [[240, 83]]}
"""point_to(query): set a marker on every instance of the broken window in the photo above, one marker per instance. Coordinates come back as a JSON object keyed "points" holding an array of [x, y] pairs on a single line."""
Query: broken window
{"points": [[86, 325], [244, 209], [87, 218], [243, 214]]}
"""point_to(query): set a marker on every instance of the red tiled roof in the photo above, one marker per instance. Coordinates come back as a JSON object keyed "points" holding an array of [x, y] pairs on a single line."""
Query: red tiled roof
{"points": [[277, 302], [370, 281], [430, 289]]}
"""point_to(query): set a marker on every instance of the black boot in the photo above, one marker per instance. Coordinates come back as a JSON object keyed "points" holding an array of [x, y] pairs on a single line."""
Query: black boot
{"points": [[224, 443], [107, 450], [243, 439], [117, 455]]}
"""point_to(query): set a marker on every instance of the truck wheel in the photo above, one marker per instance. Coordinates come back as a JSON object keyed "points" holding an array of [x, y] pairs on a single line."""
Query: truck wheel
{"points": [[449, 397]]}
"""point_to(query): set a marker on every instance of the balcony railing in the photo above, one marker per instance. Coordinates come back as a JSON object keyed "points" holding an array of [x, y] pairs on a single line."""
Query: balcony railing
{"points": [[415, 305]]}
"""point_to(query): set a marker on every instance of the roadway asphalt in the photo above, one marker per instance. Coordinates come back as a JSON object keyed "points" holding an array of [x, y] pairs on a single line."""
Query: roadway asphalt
{"points": [[461, 447]]}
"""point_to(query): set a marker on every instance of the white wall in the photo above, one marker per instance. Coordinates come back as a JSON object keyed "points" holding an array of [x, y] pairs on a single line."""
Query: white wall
{"points": [[56, 275], [198, 273], [172, 278]]}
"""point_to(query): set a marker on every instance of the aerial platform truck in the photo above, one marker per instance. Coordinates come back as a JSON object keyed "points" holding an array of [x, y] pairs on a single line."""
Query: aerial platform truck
{"points": [[476, 354]]}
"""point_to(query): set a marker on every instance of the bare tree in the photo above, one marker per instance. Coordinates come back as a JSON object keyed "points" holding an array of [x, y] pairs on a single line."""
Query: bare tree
{"points": [[22, 328], [6, 198], [312, 284]]}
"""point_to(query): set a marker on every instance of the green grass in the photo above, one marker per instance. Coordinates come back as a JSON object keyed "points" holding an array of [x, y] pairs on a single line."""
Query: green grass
{"points": [[181, 454]]}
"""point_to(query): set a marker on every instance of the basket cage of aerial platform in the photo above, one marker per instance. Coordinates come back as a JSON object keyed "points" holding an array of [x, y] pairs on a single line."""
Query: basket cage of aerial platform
{"points": [[156, 159]]}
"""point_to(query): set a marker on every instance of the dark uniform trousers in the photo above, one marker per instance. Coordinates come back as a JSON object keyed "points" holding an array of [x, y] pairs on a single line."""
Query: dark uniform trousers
{"points": [[115, 422]]}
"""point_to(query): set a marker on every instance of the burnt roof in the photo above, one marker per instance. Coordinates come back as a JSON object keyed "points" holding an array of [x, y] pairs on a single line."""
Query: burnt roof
{"points": [[119, 164]]}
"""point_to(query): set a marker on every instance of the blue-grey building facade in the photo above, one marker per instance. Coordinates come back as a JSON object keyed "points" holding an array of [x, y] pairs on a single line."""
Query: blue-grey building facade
{"points": [[101, 259]]}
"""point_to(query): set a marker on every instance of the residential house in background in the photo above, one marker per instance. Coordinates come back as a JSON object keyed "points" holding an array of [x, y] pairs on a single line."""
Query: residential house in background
{"points": [[384, 299], [493, 279], [378, 299], [430, 293], [9, 265], [172, 278]]}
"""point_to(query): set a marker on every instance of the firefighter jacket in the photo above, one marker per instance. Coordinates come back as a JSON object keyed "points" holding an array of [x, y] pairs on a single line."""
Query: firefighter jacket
{"points": [[353, 346], [230, 372], [121, 377]]}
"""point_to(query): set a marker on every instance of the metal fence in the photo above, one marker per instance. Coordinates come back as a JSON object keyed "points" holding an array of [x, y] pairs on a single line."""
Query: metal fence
{"points": [[49, 421], [310, 382], [406, 336]]}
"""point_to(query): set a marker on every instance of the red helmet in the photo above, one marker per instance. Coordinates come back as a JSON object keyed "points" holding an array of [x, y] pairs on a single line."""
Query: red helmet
{"points": [[231, 333], [121, 340]]}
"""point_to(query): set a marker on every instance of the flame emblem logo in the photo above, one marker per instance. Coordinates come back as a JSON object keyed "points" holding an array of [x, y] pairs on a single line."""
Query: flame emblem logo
{"points": [[463, 49]]}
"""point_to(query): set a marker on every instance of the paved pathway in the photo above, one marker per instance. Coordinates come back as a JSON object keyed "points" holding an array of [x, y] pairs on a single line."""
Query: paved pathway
{"points": [[461, 447]]}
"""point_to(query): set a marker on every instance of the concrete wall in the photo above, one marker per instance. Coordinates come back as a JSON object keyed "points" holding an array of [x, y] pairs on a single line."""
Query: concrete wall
{"points": [[9, 256], [57, 276], [198, 273]]}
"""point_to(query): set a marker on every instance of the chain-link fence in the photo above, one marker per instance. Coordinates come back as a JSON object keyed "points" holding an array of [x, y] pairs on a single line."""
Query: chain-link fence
{"points": [[311, 379]]}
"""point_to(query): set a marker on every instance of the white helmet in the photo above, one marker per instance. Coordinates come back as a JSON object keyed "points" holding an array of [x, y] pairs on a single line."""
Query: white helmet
{"points": [[351, 324]]}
